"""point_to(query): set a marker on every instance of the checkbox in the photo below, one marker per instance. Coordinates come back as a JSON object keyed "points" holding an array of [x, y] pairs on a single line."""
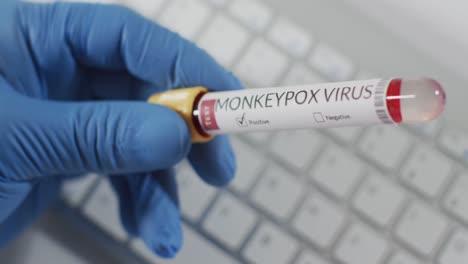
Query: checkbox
{"points": [[319, 117]]}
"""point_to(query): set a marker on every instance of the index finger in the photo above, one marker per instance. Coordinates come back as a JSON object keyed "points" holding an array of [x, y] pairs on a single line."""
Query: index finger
{"points": [[113, 37]]}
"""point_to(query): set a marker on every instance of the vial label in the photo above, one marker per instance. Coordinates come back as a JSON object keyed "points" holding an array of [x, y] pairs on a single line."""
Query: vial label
{"points": [[305, 106]]}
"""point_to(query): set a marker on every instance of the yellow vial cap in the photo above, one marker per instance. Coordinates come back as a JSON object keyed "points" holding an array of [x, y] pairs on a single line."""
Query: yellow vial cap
{"points": [[183, 102]]}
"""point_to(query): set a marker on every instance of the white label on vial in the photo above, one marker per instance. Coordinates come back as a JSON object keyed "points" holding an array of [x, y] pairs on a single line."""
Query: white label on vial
{"points": [[306, 106]]}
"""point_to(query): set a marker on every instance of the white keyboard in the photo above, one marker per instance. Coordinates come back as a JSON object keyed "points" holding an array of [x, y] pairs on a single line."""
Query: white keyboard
{"points": [[390, 195]]}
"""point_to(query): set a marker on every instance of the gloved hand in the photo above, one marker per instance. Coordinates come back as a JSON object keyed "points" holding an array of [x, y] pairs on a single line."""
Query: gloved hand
{"points": [[72, 81]]}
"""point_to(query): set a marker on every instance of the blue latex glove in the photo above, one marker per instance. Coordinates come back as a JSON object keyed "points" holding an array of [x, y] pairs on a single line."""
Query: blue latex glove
{"points": [[72, 77]]}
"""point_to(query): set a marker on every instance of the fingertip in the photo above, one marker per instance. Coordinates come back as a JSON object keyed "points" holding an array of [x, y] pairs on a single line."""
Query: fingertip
{"points": [[164, 237], [157, 211], [233, 83], [170, 249]]}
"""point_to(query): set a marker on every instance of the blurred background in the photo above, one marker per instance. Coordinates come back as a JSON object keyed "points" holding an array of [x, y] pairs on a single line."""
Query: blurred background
{"points": [[381, 194]]}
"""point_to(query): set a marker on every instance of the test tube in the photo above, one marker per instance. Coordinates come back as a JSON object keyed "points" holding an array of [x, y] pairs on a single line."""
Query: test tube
{"points": [[323, 105]]}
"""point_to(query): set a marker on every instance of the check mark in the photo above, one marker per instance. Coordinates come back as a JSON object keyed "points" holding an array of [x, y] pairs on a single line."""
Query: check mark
{"points": [[242, 122]]}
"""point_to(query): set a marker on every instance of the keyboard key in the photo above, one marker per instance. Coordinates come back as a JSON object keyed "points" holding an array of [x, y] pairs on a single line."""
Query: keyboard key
{"points": [[456, 250], [74, 190], [421, 229], [249, 165], [379, 200], [278, 192], [331, 64], [366, 75], [427, 129], [195, 195], [103, 209], [337, 171], [290, 37], [319, 220], [309, 257], [456, 200], [252, 13], [219, 3], [196, 249], [148, 9], [270, 245], [348, 135], [223, 39], [361, 245], [385, 145], [299, 75], [185, 16], [297, 148], [37, 246], [403, 258], [262, 64], [455, 141], [427, 171], [230, 221]]}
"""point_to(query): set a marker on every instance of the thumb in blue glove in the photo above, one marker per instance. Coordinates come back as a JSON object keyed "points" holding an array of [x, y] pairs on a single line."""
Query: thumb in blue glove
{"points": [[60, 66]]}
